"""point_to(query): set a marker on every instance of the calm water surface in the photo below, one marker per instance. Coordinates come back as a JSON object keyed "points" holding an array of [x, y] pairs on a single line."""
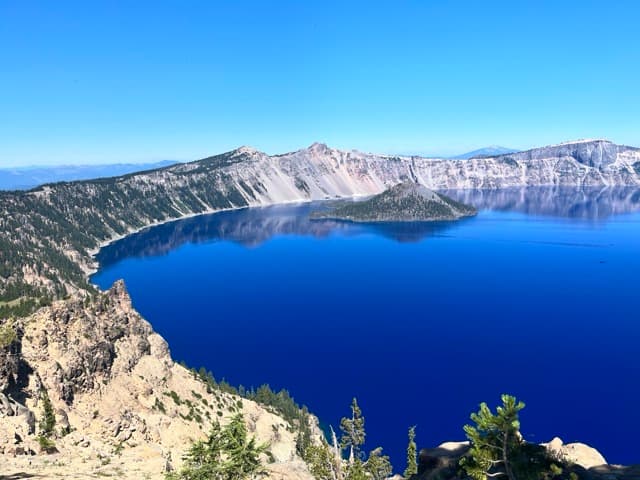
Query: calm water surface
{"points": [[537, 296]]}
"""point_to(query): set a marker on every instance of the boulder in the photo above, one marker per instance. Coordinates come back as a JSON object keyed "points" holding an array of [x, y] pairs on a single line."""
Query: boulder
{"points": [[578, 453]]}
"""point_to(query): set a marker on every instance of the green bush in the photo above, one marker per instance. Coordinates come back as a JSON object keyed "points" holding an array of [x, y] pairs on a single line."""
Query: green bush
{"points": [[46, 444], [175, 397], [158, 405], [8, 334]]}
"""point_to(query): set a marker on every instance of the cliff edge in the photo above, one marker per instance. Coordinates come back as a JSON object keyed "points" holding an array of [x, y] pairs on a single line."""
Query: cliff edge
{"points": [[122, 406]]}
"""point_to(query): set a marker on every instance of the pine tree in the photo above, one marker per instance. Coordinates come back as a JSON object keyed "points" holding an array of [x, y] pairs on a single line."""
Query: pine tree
{"points": [[204, 459], [327, 462], [353, 433], [378, 466], [495, 439], [303, 438], [226, 454], [498, 450], [356, 471], [322, 462], [412, 465], [243, 454], [48, 420]]}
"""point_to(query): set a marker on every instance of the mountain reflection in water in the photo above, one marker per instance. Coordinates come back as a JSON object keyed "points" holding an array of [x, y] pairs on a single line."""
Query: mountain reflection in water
{"points": [[254, 226], [583, 203]]}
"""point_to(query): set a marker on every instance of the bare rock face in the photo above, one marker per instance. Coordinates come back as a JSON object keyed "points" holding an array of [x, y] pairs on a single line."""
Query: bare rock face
{"points": [[577, 453], [122, 406], [80, 348], [595, 153]]}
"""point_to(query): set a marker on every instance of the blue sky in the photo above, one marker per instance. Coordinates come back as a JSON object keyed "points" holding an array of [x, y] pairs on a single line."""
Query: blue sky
{"points": [[94, 82]]}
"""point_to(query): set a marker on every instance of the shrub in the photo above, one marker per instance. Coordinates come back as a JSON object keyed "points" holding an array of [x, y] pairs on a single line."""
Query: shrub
{"points": [[175, 397], [46, 444], [8, 334], [158, 405]]}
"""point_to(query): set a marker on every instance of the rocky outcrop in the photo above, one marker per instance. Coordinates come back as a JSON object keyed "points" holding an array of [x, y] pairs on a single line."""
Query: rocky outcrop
{"points": [[442, 462], [577, 453], [122, 406]]}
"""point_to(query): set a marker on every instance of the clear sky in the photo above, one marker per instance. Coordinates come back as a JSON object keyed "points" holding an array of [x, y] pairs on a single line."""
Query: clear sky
{"points": [[95, 82]]}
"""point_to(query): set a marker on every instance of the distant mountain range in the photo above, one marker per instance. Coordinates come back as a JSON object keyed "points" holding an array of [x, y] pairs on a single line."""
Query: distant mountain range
{"points": [[490, 151], [24, 178]]}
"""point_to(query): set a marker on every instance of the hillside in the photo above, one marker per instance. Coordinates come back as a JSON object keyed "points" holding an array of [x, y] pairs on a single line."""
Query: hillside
{"points": [[405, 202], [123, 408], [51, 232]]}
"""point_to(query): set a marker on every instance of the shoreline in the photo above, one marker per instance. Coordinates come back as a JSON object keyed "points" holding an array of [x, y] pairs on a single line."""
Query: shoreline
{"points": [[92, 269], [376, 222]]}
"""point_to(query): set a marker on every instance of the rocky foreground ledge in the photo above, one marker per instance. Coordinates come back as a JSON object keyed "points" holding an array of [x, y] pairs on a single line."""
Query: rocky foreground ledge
{"points": [[123, 408], [585, 462]]}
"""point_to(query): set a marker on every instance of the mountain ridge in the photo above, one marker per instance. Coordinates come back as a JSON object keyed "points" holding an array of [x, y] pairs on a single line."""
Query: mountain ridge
{"points": [[52, 231], [489, 151]]}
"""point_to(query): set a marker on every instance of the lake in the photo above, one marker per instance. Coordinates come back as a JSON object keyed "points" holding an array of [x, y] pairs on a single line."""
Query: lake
{"points": [[536, 296]]}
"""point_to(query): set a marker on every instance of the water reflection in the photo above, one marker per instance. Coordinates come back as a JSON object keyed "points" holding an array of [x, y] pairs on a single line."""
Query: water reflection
{"points": [[251, 227], [582, 203]]}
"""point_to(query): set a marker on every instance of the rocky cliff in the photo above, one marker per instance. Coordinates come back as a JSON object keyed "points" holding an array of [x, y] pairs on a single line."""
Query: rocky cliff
{"points": [[122, 407]]}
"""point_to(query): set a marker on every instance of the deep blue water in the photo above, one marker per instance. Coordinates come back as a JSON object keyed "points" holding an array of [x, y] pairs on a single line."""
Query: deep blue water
{"points": [[537, 296]]}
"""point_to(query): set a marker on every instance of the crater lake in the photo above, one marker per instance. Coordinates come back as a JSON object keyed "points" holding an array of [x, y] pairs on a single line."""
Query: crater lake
{"points": [[536, 296]]}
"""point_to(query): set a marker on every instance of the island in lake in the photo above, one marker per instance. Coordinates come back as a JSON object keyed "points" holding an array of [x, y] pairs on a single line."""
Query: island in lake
{"points": [[404, 202]]}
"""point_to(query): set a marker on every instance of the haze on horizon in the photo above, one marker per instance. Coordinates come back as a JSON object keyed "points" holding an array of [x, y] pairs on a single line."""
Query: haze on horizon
{"points": [[88, 83]]}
